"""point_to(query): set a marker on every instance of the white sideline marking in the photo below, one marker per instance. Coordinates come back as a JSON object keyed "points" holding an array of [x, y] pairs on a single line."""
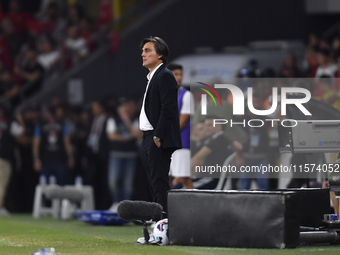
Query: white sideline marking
{"points": [[9, 243]]}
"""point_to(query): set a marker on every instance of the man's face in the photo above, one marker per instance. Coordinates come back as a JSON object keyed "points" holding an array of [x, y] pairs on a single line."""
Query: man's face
{"points": [[321, 58], [178, 73], [209, 127], [291, 60], [97, 109], [30, 55], [150, 56], [59, 113], [198, 132], [72, 32], [47, 47]]}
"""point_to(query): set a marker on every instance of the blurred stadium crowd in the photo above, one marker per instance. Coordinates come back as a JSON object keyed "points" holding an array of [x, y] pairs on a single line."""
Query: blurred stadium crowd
{"points": [[44, 44], [33, 47], [100, 140]]}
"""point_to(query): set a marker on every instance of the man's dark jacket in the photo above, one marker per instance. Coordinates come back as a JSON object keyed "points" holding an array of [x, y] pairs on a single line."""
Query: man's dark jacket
{"points": [[161, 108]]}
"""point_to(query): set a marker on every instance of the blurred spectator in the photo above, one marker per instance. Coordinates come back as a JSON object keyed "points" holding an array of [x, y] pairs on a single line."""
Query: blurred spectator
{"points": [[5, 55], [49, 55], [180, 159], [256, 148], [44, 4], [324, 45], [244, 83], [20, 30], [111, 105], [336, 85], [290, 69], [51, 22], [87, 33], [336, 49], [122, 132], [310, 62], [329, 95], [76, 13], [2, 66], [30, 119], [9, 131], [17, 17], [52, 150], [75, 44], [325, 66], [197, 137], [81, 120], [98, 156], [85, 28], [60, 23], [314, 41], [215, 150], [115, 41], [55, 102], [31, 72], [105, 16], [264, 87], [8, 89], [13, 40], [268, 73]]}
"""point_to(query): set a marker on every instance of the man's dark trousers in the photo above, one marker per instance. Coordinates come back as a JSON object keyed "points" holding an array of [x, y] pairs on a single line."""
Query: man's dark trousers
{"points": [[156, 162]]}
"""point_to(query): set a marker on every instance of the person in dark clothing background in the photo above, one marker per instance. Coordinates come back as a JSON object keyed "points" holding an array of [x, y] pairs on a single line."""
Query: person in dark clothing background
{"points": [[256, 149], [52, 150], [211, 151], [8, 88], [122, 132], [81, 119], [9, 130], [98, 144], [32, 72], [29, 177]]}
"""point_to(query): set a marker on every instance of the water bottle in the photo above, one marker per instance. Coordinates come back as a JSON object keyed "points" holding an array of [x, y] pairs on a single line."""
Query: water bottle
{"points": [[42, 179], [79, 181], [52, 180], [46, 251]]}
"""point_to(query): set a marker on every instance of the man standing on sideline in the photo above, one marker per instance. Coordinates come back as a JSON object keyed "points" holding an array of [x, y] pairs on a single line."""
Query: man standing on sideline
{"points": [[158, 118], [180, 162]]}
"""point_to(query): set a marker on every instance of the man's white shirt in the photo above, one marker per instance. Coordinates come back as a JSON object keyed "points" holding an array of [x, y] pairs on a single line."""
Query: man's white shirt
{"points": [[144, 123]]}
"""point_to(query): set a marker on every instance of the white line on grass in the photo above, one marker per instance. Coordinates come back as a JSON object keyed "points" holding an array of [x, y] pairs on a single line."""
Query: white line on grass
{"points": [[9, 243]]}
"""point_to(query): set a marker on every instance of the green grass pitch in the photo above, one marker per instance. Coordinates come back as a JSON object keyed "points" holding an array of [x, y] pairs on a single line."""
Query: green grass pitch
{"points": [[21, 234]]}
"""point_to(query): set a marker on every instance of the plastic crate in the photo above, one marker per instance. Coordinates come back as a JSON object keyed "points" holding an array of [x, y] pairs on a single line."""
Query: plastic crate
{"points": [[100, 217]]}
